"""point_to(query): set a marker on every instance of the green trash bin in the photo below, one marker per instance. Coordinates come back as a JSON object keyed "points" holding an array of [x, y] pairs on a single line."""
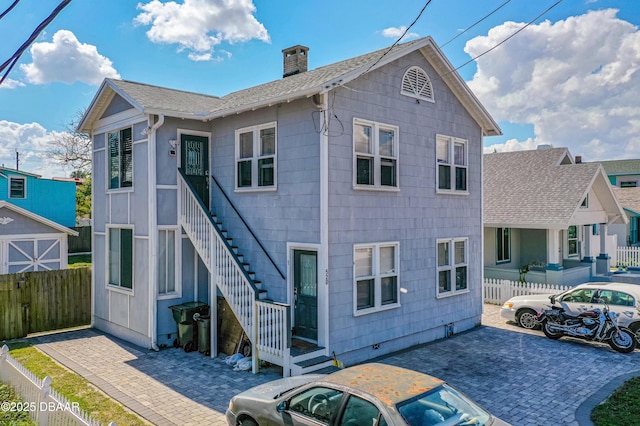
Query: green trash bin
{"points": [[204, 334], [187, 331]]}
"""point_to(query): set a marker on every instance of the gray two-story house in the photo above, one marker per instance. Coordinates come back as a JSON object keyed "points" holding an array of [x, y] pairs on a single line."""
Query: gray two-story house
{"points": [[340, 207]]}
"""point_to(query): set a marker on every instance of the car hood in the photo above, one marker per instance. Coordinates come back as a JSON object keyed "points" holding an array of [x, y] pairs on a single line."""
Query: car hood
{"points": [[272, 390], [538, 298]]}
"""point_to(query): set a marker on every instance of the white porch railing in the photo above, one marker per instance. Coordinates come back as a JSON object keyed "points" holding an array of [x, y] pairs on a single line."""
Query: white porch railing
{"points": [[44, 404], [265, 323], [628, 256], [498, 291]]}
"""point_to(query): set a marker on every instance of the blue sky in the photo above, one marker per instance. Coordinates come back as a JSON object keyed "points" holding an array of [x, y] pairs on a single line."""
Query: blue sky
{"points": [[570, 79]]}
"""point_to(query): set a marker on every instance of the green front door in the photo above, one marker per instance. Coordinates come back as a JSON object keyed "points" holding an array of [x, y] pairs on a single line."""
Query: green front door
{"points": [[305, 290], [195, 164]]}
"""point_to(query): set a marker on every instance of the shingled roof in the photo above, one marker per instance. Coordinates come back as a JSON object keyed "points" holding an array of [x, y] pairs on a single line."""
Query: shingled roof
{"points": [[150, 99], [621, 167], [540, 189], [629, 198]]}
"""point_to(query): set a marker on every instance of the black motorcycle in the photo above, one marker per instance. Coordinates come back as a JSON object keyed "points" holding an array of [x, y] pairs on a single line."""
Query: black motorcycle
{"points": [[598, 325]]}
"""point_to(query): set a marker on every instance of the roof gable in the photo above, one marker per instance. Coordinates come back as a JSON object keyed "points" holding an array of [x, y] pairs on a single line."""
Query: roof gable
{"points": [[175, 103], [540, 188], [37, 218], [629, 199]]}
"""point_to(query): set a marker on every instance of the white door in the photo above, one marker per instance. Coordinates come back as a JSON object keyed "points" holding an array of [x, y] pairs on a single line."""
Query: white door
{"points": [[33, 255]]}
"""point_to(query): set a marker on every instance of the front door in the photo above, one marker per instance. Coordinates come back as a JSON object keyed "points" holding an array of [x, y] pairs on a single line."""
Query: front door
{"points": [[305, 294], [195, 164]]}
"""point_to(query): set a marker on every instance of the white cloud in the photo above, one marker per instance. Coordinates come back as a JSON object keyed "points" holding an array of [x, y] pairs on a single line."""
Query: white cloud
{"points": [[34, 144], [396, 32], [11, 84], [200, 25], [575, 80], [511, 145], [67, 60]]}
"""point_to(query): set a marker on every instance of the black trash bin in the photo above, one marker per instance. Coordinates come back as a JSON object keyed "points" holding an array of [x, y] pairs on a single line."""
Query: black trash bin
{"points": [[187, 330]]}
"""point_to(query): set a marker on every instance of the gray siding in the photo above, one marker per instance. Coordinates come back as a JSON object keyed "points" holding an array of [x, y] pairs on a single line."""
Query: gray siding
{"points": [[23, 225], [416, 216]]}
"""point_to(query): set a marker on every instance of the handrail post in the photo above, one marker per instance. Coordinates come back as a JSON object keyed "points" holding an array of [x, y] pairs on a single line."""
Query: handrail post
{"points": [[254, 343]]}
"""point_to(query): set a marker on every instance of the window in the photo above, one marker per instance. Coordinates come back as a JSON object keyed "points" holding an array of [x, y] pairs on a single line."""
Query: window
{"points": [[416, 83], [17, 187], [451, 158], [166, 261], [572, 240], [376, 277], [452, 266], [319, 403], [376, 155], [120, 159], [360, 412], [629, 184], [121, 257], [503, 244], [585, 202], [256, 157]]}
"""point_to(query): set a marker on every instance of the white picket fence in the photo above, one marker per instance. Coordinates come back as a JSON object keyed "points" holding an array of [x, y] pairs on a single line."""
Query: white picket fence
{"points": [[44, 404], [498, 291], [628, 256]]}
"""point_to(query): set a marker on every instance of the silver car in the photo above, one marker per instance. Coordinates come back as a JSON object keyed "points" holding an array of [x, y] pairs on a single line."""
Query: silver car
{"points": [[621, 298], [364, 395]]}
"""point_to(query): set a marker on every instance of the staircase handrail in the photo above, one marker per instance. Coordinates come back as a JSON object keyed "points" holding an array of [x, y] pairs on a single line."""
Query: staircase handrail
{"points": [[247, 226], [219, 233]]}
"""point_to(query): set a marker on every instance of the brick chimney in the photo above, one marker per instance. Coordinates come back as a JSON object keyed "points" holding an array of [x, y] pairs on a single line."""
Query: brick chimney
{"points": [[295, 60], [578, 159]]}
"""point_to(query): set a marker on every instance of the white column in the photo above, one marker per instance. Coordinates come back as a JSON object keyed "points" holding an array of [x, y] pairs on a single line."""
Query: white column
{"points": [[554, 259], [603, 261], [587, 231]]}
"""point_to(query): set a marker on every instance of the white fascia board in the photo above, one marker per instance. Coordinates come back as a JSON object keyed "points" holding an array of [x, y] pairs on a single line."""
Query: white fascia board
{"points": [[38, 218]]}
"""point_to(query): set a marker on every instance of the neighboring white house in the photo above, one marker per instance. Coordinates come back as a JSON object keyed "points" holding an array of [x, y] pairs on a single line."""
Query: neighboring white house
{"points": [[346, 206], [546, 214], [30, 242]]}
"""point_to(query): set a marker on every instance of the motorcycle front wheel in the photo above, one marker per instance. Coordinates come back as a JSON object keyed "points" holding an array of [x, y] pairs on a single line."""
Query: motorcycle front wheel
{"points": [[551, 334], [623, 341]]}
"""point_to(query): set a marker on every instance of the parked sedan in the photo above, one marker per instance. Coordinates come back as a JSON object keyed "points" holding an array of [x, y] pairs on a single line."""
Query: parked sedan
{"points": [[368, 394], [621, 298]]}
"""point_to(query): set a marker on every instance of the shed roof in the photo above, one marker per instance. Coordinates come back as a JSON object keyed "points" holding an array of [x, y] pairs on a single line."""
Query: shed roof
{"points": [[19, 210], [150, 99], [540, 188]]}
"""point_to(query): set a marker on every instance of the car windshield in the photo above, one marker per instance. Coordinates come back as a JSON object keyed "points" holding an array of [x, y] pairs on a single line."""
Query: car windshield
{"points": [[442, 406]]}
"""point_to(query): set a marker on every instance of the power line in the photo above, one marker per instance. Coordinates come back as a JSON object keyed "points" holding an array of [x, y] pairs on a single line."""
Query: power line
{"points": [[477, 22], [14, 4], [11, 62]]}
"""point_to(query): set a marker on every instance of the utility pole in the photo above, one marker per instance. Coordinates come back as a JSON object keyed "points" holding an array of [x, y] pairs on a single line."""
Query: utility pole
{"points": [[17, 159]]}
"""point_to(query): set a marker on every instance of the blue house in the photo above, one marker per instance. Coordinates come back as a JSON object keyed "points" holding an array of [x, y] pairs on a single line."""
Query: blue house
{"points": [[51, 199], [337, 210], [35, 216]]}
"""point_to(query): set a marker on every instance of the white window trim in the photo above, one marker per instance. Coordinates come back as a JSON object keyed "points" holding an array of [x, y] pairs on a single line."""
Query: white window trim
{"points": [[24, 188], [452, 141], [177, 293], [377, 186], [378, 306], [577, 240], [108, 161], [412, 94], [452, 267], [254, 159], [108, 285]]}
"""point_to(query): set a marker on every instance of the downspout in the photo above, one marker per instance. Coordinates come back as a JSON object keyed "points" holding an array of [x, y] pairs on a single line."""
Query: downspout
{"points": [[153, 225], [324, 210]]}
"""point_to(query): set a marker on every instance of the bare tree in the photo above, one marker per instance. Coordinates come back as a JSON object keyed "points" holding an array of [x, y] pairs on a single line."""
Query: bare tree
{"points": [[73, 148]]}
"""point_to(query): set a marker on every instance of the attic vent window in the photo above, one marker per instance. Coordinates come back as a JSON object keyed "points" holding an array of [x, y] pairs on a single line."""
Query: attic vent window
{"points": [[416, 84]]}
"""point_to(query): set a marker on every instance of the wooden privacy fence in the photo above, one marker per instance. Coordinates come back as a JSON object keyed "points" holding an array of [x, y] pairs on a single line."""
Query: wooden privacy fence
{"points": [[628, 256], [498, 291], [82, 242], [47, 300]]}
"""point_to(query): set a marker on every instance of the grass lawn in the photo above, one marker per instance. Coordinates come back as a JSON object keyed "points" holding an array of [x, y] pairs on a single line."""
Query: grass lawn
{"points": [[622, 408], [79, 261], [74, 387], [12, 416]]}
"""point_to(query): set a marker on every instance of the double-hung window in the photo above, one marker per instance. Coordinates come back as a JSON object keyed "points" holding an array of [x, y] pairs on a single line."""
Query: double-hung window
{"points": [[376, 277], [120, 159], [121, 257], [17, 187], [572, 240], [167, 262], [375, 155], [503, 244], [256, 160], [452, 266], [451, 161]]}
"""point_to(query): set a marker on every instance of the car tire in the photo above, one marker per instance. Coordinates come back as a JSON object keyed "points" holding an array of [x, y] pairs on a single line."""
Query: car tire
{"points": [[247, 421], [527, 318]]}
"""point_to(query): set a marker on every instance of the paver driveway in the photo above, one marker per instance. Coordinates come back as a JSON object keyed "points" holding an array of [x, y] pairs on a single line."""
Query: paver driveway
{"points": [[519, 375]]}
